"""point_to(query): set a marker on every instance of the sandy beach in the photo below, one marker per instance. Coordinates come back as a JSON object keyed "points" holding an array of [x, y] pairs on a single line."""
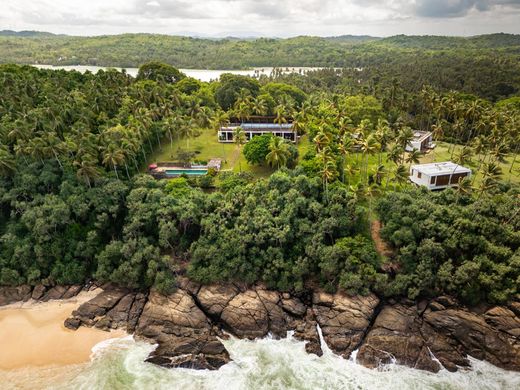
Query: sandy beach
{"points": [[33, 334]]}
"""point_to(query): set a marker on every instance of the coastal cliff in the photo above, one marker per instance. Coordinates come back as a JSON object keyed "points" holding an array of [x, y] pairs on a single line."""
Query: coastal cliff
{"points": [[188, 324]]}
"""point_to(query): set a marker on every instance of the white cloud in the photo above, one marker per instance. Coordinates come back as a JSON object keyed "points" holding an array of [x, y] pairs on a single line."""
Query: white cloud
{"points": [[263, 17]]}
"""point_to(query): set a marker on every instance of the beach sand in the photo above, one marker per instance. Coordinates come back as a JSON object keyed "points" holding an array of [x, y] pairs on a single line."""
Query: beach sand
{"points": [[33, 334]]}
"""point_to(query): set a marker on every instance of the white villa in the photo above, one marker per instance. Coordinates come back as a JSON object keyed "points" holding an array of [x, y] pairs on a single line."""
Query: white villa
{"points": [[258, 126], [422, 141], [436, 176]]}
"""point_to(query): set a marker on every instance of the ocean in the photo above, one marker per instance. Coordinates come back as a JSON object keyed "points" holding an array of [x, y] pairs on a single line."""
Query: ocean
{"points": [[260, 364]]}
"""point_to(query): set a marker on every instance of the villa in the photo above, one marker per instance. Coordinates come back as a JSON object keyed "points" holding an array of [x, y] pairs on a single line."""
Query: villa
{"points": [[422, 141], [436, 176], [257, 125]]}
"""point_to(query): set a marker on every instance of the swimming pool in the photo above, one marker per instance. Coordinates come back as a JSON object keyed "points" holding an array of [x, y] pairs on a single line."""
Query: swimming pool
{"points": [[178, 172]]}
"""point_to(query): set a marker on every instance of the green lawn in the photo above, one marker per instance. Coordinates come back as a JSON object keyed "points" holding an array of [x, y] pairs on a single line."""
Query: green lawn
{"points": [[206, 147], [441, 153]]}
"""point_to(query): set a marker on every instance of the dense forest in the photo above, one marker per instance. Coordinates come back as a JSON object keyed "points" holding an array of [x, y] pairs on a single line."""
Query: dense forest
{"points": [[75, 203], [487, 65]]}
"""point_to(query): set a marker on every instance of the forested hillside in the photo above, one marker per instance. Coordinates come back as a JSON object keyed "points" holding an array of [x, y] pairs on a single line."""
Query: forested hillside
{"points": [[132, 50], [76, 205]]}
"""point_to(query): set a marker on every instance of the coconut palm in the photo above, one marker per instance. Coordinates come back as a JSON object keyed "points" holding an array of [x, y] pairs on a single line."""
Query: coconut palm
{"points": [[278, 152], [464, 155], [239, 138], [401, 175], [86, 168], [259, 106], [280, 112], [344, 146], [413, 157], [491, 173], [112, 156], [368, 147], [7, 161]]}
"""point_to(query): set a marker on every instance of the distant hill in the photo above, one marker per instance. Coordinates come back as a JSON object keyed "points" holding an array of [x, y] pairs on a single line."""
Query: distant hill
{"points": [[132, 50], [25, 33]]}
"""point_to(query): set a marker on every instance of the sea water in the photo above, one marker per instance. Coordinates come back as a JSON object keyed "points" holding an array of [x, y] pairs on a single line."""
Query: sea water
{"points": [[260, 364]]}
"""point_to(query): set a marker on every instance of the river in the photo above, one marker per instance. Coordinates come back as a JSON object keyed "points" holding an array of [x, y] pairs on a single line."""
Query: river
{"points": [[200, 74], [261, 364]]}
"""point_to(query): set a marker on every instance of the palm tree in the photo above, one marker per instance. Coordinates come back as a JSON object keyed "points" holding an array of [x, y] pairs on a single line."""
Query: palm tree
{"points": [[259, 106], [239, 138], [344, 146], [379, 173], [368, 147], [86, 168], [382, 136], [278, 152], [112, 157], [463, 188], [280, 111], [401, 175], [413, 157], [328, 173], [186, 130], [404, 138], [7, 161], [491, 173], [322, 139], [464, 155]]}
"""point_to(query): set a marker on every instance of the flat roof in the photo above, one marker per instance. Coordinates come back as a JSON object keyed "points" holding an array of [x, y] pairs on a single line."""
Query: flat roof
{"points": [[419, 135], [440, 168], [259, 127]]}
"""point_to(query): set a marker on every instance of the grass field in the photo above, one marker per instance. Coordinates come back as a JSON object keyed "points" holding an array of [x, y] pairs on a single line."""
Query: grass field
{"points": [[206, 147], [443, 152]]}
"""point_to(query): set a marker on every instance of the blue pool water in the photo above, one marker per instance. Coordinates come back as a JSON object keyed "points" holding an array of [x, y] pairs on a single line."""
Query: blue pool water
{"points": [[178, 172]]}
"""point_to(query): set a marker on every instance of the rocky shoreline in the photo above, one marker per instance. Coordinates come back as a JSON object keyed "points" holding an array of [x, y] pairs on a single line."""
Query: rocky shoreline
{"points": [[188, 324]]}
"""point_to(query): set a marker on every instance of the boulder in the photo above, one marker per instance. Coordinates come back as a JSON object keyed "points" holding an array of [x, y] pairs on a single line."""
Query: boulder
{"points": [[54, 293], [246, 316], [185, 336], [10, 295], [476, 337], [395, 337], [214, 298], [343, 320], [503, 319], [89, 312], [38, 292]]}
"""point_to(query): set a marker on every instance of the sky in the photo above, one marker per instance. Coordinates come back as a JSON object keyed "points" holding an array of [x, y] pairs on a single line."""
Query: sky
{"points": [[269, 18]]}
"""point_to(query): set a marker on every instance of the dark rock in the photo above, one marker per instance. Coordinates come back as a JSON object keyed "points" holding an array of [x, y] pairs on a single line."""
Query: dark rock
{"points": [[54, 293], [38, 292], [213, 299], [72, 291], [395, 336], [135, 311], [503, 319], [72, 323], [476, 337], [343, 320], [305, 330], [184, 334], [10, 295], [98, 306], [293, 306], [246, 316]]}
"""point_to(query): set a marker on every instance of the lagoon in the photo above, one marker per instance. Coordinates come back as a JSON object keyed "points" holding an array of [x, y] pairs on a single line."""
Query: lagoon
{"points": [[199, 74]]}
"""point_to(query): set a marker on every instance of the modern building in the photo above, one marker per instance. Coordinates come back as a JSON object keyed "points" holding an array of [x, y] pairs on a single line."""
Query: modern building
{"points": [[436, 176], [422, 141], [257, 126]]}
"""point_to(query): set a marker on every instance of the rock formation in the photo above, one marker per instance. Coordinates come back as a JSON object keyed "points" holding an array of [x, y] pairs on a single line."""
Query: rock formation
{"points": [[189, 324]]}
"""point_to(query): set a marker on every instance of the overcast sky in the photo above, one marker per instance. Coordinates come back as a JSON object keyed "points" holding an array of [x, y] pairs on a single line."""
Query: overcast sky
{"points": [[269, 18]]}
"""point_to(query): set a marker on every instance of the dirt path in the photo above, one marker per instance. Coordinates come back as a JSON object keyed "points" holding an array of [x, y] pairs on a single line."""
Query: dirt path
{"points": [[381, 247]]}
